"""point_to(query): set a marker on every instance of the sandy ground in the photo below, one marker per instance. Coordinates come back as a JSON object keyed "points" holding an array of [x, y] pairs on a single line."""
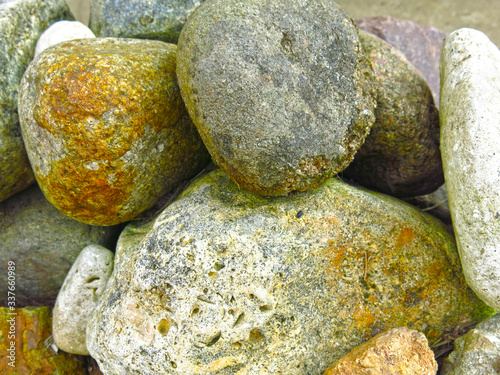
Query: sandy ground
{"points": [[446, 15]]}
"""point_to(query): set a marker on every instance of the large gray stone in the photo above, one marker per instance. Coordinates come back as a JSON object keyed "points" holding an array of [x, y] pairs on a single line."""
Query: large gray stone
{"points": [[78, 297], [44, 244], [152, 19], [470, 146], [229, 282], [281, 93], [477, 352], [21, 24]]}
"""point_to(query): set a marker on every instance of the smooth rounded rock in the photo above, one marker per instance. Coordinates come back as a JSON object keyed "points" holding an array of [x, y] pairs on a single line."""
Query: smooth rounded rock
{"points": [[105, 127], [78, 297], [470, 145], [152, 19], [60, 32], [401, 154], [43, 243], [281, 93], [21, 24], [227, 281]]}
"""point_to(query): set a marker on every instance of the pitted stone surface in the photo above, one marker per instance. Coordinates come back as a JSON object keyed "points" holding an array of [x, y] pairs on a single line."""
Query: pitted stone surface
{"points": [[228, 281], [281, 93]]}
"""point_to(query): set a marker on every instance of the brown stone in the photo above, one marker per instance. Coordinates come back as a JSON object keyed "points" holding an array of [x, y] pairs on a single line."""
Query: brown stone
{"points": [[399, 351], [420, 44]]}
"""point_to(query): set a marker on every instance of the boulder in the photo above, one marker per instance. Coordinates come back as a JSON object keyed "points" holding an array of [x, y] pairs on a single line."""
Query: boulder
{"points": [[281, 93], [470, 139], [21, 24], [105, 127], [228, 281], [401, 154], [62, 31]]}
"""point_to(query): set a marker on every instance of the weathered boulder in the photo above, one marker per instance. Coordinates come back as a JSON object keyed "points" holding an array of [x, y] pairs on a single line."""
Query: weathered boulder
{"points": [[396, 351], [281, 93], [105, 127], [152, 19], [78, 297], [62, 31], [420, 44], [21, 24], [27, 339], [43, 243], [228, 281], [401, 154], [470, 144], [477, 352]]}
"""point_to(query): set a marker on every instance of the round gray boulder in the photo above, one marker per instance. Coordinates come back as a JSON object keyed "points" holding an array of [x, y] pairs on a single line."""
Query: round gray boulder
{"points": [[281, 93]]}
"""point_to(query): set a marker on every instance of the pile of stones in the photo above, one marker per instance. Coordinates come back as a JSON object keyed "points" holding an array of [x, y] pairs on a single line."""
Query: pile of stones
{"points": [[247, 187]]}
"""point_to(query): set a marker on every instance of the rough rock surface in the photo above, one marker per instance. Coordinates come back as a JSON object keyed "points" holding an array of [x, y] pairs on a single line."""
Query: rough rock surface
{"points": [[152, 19], [477, 352], [401, 154], [470, 139], [105, 127], [44, 244], [78, 297], [32, 357], [396, 351], [281, 93], [228, 281], [62, 31], [21, 24], [420, 44]]}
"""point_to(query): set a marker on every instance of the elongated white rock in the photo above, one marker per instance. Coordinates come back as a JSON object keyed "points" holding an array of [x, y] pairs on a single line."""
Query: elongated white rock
{"points": [[62, 31], [78, 297], [470, 146]]}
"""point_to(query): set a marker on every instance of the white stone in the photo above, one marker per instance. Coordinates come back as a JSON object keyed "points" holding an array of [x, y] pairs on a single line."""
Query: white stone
{"points": [[60, 32], [78, 297], [470, 147]]}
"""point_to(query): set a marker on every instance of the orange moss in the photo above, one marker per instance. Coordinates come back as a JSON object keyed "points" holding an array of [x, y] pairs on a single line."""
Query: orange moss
{"points": [[405, 237]]}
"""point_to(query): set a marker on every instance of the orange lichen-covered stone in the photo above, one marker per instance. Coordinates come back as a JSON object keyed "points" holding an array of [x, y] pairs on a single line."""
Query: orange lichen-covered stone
{"points": [[105, 127], [22, 338]]}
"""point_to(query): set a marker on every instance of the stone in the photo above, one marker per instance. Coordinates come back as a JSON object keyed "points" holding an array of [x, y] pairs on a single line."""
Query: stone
{"points": [[420, 44], [105, 127], [43, 243], [436, 204], [396, 351], [470, 139], [477, 352], [152, 19], [228, 281], [401, 155], [21, 24], [62, 31], [281, 94], [78, 297], [27, 341]]}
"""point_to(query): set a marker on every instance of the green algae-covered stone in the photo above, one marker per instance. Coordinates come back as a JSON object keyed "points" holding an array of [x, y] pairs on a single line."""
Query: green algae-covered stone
{"points": [[281, 92], [27, 338], [152, 19], [21, 24], [401, 155], [105, 127], [227, 281]]}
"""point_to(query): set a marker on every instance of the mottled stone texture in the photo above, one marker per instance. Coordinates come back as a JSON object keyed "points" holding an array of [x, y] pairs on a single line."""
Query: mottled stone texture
{"points": [[82, 288], [43, 243], [32, 327], [21, 24], [477, 352], [227, 281], [105, 127], [280, 92], [470, 144], [420, 44], [152, 19], [396, 351], [401, 154]]}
